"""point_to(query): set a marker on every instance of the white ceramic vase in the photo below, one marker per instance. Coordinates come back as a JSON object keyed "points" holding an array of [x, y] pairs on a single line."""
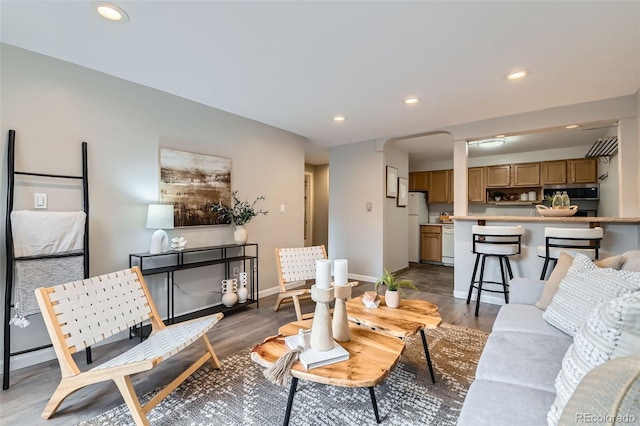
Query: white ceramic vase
{"points": [[392, 298], [242, 291], [229, 296], [240, 235]]}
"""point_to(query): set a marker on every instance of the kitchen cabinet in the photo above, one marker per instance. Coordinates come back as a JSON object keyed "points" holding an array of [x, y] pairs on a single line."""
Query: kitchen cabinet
{"points": [[554, 172], [431, 243], [419, 181], [583, 170], [525, 174], [499, 176], [441, 186], [475, 185]]}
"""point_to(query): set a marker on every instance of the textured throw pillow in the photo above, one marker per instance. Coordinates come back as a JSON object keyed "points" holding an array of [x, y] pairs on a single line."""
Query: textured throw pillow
{"points": [[560, 271], [612, 389], [631, 260], [584, 288], [611, 330]]}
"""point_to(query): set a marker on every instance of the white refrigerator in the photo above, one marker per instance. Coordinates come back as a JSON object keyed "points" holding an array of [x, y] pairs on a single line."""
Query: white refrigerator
{"points": [[418, 214]]}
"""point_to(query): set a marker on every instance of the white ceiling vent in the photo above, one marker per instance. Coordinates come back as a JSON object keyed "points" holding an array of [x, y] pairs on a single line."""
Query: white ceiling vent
{"points": [[603, 147]]}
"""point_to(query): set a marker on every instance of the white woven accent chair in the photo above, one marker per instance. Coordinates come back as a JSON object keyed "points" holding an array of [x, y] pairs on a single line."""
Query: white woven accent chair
{"points": [[82, 313], [494, 241], [297, 265], [571, 240]]}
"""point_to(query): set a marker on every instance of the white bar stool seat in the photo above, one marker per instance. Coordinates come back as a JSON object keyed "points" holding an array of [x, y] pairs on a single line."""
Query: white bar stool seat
{"points": [[494, 241], [570, 240]]}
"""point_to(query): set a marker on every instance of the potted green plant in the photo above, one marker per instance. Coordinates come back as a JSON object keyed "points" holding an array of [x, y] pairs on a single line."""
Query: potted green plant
{"points": [[394, 288], [240, 213]]}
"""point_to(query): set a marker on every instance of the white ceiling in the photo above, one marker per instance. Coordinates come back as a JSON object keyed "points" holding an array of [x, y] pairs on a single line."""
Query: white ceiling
{"points": [[296, 64]]}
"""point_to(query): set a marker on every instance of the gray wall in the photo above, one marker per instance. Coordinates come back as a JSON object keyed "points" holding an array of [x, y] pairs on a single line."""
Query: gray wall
{"points": [[54, 106]]}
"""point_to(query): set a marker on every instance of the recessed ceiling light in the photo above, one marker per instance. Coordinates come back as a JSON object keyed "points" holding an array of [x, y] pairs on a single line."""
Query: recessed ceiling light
{"points": [[411, 100], [111, 12], [339, 118], [514, 75], [501, 136], [572, 126]]}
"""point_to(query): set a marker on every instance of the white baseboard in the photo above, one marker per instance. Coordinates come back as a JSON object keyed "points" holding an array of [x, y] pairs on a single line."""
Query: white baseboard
{"points": [[486, 298], [364, 278], [29, 359]]}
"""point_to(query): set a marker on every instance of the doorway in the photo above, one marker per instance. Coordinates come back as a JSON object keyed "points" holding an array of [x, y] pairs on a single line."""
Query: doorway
{"points": [[308, 209]]}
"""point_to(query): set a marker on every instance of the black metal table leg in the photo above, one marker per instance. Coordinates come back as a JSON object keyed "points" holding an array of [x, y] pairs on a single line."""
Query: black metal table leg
{"points": [[375, 404], [426, 352], [292, 392]]}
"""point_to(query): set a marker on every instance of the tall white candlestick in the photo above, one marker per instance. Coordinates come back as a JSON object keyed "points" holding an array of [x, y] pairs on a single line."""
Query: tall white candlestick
{"points": [[340, 272], [323, 273]]}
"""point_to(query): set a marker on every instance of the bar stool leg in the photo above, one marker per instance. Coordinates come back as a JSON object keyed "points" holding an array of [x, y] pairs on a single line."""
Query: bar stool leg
{"points": [[503, 276], [509, 267], [473, 278], [544, 268], [480, 283]]}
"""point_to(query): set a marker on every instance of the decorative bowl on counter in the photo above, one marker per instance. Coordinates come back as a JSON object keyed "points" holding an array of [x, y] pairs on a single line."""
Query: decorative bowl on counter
{"points": [[552, 212]]}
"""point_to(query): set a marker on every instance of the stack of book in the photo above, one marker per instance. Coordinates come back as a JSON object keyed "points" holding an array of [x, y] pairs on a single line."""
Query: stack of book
{"points": [[311, 358]]}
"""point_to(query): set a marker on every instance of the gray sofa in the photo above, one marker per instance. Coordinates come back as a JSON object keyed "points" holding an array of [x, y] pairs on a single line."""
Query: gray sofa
{"points": [[515, 378]]}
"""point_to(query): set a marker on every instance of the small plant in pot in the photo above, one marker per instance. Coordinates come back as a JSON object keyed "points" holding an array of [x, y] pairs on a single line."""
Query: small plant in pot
{"points": [[240, 214], [394, 288]]}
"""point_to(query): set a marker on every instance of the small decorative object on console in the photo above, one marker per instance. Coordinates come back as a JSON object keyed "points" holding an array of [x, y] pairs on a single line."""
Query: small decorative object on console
{"points": [[229, 296], [370, 299], [178, 243]]}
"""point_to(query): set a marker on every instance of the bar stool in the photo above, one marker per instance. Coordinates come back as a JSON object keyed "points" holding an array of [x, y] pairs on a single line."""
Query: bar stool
{"points": [[571, 240], [494, 241]]}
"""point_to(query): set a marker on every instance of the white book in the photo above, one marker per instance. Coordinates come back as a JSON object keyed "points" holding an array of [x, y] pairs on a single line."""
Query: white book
{"points": [[311, 358]]}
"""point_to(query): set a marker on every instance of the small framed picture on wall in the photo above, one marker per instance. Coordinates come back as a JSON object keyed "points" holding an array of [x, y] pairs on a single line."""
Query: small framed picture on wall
{"points": [[403, 192], [392, 182]]}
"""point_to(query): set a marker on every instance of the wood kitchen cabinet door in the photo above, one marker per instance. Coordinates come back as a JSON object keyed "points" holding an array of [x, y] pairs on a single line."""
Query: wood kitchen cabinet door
{"points": [[419, 181], [499, 176], [441, 186], [475, 186], [431, 243], [554, 172], [583, 170], [526, 174]]}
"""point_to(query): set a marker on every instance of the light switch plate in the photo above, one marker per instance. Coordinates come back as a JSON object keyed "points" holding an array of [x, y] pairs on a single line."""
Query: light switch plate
{"points": [[39, 200]]}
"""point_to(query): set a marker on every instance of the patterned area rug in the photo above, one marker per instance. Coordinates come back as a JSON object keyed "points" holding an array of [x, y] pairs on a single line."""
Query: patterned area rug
{"points": [[240, 395]]}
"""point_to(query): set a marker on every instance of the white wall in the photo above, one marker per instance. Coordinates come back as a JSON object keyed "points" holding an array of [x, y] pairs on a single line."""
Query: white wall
{"points": [[356, 177], [396, 219], [54, 105]]}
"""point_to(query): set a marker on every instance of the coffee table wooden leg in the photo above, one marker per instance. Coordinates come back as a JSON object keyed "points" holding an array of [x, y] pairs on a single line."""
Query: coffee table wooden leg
{"points": [[375, 404], [426, 352], [292, 392]]}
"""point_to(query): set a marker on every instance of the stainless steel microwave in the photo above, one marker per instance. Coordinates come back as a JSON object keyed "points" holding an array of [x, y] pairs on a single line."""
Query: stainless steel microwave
{"points": [[575, 191]]}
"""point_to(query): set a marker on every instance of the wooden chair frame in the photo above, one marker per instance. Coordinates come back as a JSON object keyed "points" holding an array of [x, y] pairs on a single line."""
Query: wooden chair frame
{"points": [[82, 313], [297, 265]]}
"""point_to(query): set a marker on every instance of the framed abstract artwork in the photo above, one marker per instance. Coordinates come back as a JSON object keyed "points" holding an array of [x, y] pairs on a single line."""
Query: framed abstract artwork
{"points": [[193, 183], [392, 182], [403, 192]]}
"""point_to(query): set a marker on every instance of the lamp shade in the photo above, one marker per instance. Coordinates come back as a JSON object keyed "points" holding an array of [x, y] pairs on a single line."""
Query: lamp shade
{"points": [[160, 216]]}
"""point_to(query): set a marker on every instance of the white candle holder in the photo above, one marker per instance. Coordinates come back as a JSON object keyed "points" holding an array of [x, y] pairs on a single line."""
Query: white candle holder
{"points": [[340, 325], [321, 335]]}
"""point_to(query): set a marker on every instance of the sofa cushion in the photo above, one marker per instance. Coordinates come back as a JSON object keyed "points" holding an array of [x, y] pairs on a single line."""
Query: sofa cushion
{"points": [[612, 388], [611, 331], [491, 403], [631, 260], [525, 359], [524, 319], [560, 271], [584, 288]]}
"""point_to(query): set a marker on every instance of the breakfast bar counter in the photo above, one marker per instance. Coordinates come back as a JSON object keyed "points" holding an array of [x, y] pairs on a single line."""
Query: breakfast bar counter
{"points": [[620, 234]]}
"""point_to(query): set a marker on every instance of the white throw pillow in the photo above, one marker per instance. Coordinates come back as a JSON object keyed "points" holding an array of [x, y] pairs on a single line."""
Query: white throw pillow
{"points": [[583, 288], [611, 330]]}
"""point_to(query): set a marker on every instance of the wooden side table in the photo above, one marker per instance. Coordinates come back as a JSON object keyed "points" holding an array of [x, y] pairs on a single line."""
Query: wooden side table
{"points": [[411, 317], [372, 356]]}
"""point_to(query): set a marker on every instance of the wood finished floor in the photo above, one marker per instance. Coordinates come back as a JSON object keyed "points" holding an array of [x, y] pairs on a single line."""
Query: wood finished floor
{"points": [[32, 387]]}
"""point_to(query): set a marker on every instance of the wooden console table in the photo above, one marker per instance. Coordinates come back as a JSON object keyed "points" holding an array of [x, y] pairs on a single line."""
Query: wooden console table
{"points": [[245, 256]]}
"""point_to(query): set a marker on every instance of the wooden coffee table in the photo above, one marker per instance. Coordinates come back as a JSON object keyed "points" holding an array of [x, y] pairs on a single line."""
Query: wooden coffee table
{"points": [[411, 317], [372, 356]]}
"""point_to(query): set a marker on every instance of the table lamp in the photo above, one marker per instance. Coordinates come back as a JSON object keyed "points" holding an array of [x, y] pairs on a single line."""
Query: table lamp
{"points": [[159, 216]]}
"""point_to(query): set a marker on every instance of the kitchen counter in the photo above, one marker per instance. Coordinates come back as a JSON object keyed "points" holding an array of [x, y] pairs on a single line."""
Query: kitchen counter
{"points": [[569, 219], [436, 224], [620, 234]]}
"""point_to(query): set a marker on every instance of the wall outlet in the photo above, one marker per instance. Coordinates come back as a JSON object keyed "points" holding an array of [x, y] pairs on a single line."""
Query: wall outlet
{"points": [[236, 271]]}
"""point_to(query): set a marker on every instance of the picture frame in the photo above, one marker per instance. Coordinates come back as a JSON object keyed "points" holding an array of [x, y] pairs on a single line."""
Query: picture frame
{"points": [[392, 182], [193, 183], [403, 192]]}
